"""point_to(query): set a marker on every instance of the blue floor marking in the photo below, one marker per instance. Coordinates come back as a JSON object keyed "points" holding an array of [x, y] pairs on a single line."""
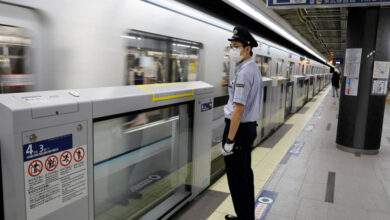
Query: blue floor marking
{"points": [[296, 148], [263, 204]]}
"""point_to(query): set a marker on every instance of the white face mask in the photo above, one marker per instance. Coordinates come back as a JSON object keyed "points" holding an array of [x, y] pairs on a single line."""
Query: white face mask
{"points": [[235, 56]]}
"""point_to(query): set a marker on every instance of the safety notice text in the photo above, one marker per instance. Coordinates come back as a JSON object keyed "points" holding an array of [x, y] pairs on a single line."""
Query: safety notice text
{"points": [[55, 174]]}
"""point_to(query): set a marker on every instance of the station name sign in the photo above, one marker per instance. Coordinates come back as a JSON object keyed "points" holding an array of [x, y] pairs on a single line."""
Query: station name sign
{"points": [[324, 3]]}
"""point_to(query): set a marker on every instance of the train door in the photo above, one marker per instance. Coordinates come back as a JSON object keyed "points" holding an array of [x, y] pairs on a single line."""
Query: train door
{"points": [[289, 89], [279, 67], [20, 31], [290, 69], [265, 65], [289, 97]]}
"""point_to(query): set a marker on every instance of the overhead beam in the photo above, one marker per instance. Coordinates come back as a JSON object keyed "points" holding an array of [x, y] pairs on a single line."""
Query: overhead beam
{"points": [[331, 30]]}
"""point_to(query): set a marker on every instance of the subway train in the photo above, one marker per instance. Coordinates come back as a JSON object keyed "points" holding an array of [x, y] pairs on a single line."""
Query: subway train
{"points": [[50, 45]]}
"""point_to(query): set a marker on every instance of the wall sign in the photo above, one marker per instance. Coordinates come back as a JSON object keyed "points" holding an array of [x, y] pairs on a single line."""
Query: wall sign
{"points": [[353, 58]]}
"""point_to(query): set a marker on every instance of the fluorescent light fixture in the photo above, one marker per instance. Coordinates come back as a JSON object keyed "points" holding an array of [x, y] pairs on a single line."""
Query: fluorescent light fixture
{"points": [[129, 37], [193, 47], [203, 17], [270, 24], [183, 45], [190, 12]]}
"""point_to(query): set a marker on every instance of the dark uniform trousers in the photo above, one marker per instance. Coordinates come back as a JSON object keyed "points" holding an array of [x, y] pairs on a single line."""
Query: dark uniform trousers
{"points": [[239, 171]]}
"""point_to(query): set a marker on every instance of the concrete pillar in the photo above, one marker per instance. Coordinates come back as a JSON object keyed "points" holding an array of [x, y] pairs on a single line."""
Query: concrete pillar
{"points": [[361, 117]]}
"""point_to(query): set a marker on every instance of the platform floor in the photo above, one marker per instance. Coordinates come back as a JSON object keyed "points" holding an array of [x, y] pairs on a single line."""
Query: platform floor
{"points": [[308, 177]]}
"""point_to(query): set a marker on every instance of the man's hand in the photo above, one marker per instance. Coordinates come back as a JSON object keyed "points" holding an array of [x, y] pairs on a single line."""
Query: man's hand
{"points": [[227, 149]]}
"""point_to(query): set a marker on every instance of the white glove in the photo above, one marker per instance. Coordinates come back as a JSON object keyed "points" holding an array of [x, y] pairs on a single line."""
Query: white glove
{"points": [[227, 149]]}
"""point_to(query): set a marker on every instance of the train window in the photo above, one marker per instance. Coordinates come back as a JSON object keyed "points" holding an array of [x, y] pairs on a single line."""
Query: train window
{"points": [[300, 69], [226, 68], [279, 68], [290, 69], [153, 58], [264, 64], [15, 70]]}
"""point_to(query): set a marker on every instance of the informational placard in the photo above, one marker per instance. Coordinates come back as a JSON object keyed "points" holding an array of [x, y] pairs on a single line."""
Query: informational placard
{"points": [[353, 58], [351, 86], [324, 3], [379, 87], [55, 175], [381, 70]]}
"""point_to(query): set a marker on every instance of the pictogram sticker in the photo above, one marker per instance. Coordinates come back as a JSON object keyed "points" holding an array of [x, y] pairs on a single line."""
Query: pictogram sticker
{"points": [[35, 168], [66, 158], [51, 163], [79, 154]]}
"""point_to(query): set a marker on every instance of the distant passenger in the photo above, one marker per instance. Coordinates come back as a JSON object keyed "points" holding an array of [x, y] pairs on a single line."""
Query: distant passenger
{"points": [[136, 75], [241, 114], [335, 83]]}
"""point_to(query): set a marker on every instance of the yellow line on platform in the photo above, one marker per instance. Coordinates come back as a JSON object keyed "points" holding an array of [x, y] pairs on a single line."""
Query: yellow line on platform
{"points": [[265, 160]]}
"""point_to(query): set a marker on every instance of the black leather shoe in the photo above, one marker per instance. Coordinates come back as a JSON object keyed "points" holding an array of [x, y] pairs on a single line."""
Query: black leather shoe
{"points": [[230, 217]]}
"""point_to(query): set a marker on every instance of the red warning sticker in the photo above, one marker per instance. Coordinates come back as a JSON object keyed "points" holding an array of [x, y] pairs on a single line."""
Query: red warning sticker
{"points": [[51, 163], [35, 168], [79, 154], [66, 158]]}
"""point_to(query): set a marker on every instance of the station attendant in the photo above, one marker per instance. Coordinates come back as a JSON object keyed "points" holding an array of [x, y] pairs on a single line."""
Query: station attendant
{"points": [[241, 113]]}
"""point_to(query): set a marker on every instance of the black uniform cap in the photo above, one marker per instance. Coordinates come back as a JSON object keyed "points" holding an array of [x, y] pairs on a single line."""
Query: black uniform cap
{"points": [[241, 34]]}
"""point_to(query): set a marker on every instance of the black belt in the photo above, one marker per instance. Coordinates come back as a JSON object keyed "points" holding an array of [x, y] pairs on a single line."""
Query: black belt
{"points": [[243, 123]]}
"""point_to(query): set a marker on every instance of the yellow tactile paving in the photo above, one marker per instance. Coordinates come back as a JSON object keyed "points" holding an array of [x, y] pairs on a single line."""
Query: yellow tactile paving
{"points": [[388, 97], [264, 160], [217, 216]]}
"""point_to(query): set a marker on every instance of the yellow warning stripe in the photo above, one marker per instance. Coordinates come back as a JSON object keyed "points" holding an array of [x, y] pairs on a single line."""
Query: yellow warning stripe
{"points": [[156, 99]]}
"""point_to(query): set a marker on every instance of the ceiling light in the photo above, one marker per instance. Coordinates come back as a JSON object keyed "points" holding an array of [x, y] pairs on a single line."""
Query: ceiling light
{"points": [[129, 37], [270, 24]]}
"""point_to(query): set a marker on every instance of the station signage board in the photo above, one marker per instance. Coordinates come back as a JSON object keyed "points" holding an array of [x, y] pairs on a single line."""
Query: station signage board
{"points": [[324, 3]]}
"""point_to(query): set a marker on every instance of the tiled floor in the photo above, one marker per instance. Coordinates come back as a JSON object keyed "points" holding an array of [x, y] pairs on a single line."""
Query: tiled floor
{"points": [[361, 184]]}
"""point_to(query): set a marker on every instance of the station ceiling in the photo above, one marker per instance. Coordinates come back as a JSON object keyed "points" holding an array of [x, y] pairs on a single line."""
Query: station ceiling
{"points": [[323, 28]]}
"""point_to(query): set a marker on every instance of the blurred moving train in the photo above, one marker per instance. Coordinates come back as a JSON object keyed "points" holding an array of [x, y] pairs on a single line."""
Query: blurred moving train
{"points": [[50, 44]]}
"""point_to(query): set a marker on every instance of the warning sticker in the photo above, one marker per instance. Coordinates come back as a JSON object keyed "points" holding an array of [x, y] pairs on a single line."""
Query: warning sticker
{"points": [[79, 154], [35, 168], [51, 163], [66, 158], [56, 179]]}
